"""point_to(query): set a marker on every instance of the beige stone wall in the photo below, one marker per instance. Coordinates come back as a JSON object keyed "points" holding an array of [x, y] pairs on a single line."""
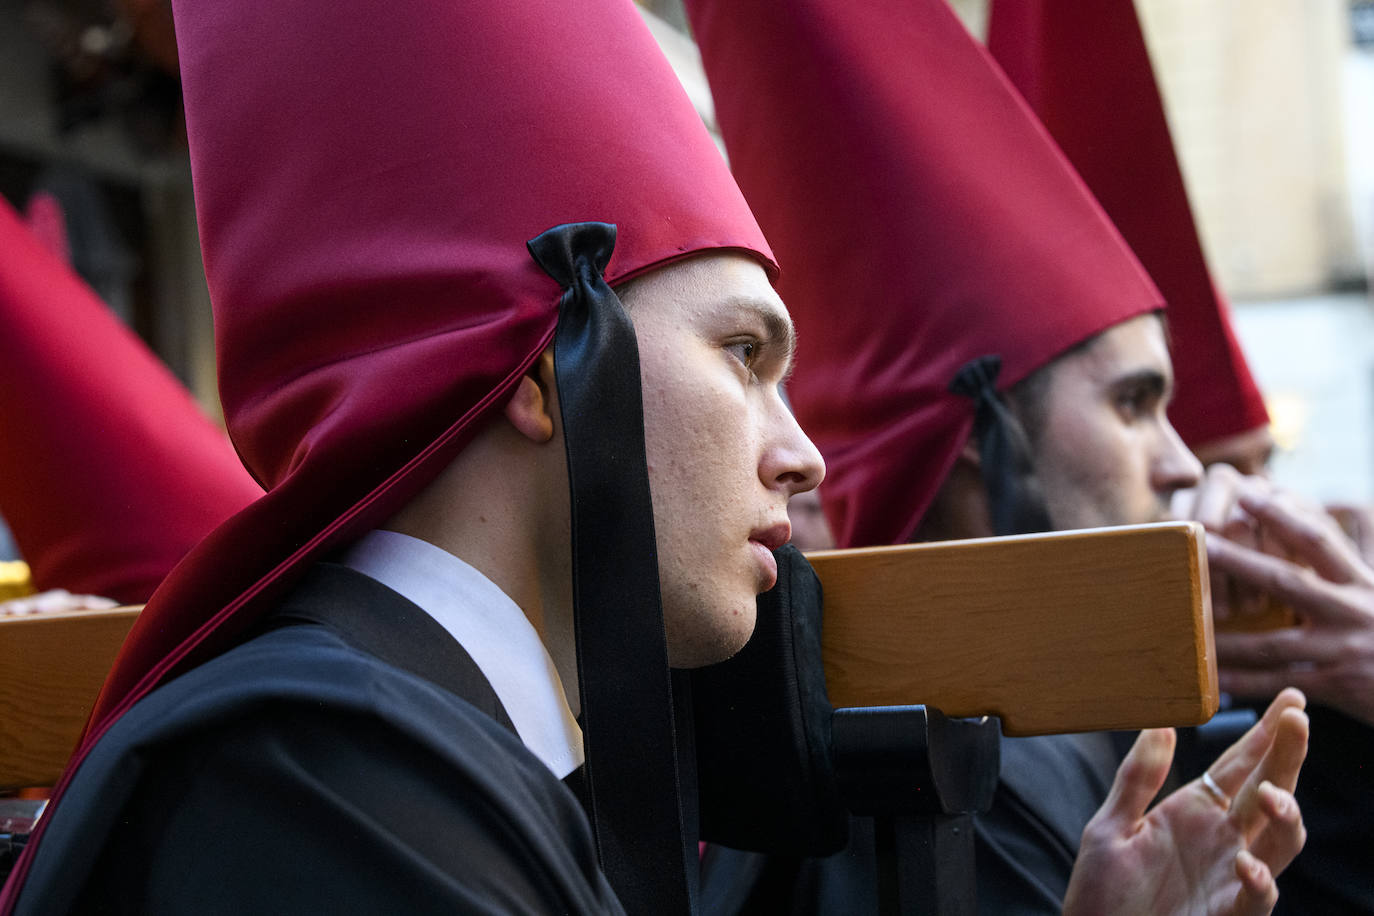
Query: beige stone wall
{"points": [[1253, 90], [974, 14]]}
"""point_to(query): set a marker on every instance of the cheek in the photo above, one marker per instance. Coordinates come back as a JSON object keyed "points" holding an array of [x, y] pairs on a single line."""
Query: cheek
{"points": [[1090, 469], [1107, 447], [681, 432], [1124, 491], [696, 445]]}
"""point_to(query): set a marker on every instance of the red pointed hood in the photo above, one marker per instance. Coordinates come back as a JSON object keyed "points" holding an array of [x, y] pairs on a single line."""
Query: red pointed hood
{"points": [[1085, 69], [923, 218], [111, 473], [366, 182]]}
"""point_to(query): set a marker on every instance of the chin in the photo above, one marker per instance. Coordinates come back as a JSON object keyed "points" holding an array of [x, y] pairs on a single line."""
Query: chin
{"points": [[705, 636]]}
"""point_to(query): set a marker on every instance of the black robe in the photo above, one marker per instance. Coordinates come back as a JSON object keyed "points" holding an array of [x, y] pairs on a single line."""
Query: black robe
{"points": [[1335, 871], [350, 758]]}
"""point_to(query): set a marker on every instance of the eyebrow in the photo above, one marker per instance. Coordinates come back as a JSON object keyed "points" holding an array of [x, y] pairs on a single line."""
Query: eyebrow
{"points": [[1151, 380], [776, 324]]}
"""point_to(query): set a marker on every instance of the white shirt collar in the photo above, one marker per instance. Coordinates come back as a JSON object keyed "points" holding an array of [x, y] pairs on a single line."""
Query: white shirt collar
{"points": [[493, 630]]}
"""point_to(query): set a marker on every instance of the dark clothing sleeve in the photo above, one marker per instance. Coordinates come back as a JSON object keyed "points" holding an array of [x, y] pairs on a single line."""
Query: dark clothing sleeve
{"points": [[1050, 788]]}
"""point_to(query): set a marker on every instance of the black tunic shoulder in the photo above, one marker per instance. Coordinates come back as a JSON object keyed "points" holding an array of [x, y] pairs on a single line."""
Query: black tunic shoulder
{"points": [[298, 773]]}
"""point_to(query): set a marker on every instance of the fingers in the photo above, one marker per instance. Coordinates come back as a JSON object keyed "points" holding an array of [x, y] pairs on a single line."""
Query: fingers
{"points": [[1280, 767], [1310, 535], [1264, 806], [1258, 893], [1358, 524], [1275, 649], [1232, 597], [1345, 683], [1240, 760], [1214, 500], [1140, 776], [1215, 504], [1241, 682], [1284, 580], [1282, 839], [1267, 815]]}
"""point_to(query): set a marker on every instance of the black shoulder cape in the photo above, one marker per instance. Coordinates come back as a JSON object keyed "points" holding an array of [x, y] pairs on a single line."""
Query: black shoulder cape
{"points": [[349, 759]]}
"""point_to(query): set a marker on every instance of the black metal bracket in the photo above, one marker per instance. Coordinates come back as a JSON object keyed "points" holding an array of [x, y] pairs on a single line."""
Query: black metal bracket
{"points": [[921, 776]]}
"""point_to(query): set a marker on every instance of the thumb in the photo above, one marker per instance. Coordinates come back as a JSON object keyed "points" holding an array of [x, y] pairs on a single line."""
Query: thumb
{"points": [[1140, 776]]}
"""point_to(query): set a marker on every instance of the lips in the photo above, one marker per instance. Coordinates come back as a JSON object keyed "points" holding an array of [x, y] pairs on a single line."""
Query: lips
{"points": [[772, 537], [763, 541]]}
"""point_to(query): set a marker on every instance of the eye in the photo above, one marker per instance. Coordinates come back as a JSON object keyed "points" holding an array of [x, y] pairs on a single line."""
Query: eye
{"points": [[1137, 401], [746, 351]]}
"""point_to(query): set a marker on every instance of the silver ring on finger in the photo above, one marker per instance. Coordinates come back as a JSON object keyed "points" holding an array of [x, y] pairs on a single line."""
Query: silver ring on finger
{"points": [[1214, 790]]}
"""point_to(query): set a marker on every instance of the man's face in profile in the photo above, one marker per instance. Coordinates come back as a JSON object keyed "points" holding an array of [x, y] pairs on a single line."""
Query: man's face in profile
{"points": [[1103, 448], [724, 452]]}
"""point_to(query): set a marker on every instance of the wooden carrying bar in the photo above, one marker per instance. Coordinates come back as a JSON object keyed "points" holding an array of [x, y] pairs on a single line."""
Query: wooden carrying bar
{"points": [[1073, 631], [1076, 631], [51, 668]]}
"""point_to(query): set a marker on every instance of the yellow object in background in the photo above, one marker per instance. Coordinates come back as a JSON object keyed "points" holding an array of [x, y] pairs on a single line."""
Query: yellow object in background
{"points": [[15, 580]]}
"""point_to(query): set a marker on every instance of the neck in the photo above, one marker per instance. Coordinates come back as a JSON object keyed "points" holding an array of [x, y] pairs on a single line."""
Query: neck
{"points": [[960, 508], [501, 507]]}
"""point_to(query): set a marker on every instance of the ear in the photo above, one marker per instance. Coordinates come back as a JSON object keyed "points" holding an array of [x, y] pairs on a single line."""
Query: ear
{"points": [[530, 410], [969, 454]]}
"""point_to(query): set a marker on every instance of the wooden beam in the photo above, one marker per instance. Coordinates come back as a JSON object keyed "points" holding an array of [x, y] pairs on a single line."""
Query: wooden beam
{"points": [[1074, 631], [51, 669]]}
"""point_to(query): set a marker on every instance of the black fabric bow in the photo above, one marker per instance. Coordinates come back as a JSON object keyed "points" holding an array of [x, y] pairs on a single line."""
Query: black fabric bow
{"points": [[640, 800], [1015, 500]]}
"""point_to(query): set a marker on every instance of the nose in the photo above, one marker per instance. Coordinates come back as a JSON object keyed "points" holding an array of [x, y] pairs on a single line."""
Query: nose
{"points": [[1175, 466], [791, 462]]}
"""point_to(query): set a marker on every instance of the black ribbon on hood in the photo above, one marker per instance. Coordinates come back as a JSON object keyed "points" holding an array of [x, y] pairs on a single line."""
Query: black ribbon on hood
{"points": [[1015, 500], [640, 801]]}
